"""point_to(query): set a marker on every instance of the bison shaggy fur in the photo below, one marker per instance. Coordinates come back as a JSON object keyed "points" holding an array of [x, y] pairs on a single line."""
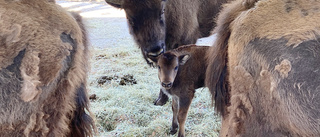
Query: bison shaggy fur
{"points": [[263, 71], [43, 71]]}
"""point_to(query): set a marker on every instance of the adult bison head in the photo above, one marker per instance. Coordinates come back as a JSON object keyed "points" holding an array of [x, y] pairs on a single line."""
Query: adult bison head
{"points": [[146, 23]]}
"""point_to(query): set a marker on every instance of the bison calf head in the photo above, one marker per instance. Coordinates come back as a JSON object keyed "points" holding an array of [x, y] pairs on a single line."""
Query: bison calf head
{"points": [[168, 65], [146, 22]]}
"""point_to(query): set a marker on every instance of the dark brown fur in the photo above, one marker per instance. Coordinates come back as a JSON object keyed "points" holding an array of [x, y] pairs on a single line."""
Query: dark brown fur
{"points": [[187, 77], [262, 71], [43, 71], [167, 24]]}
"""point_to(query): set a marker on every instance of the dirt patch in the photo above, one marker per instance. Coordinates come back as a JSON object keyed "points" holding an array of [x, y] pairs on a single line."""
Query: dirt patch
{"points": [[93, 97], [123, 80], [117, 55], [101, 57], [127, 80], [106, 79]]}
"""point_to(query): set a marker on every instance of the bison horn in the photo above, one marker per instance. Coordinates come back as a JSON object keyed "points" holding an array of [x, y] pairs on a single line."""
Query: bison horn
{"points": [[114, 2]]}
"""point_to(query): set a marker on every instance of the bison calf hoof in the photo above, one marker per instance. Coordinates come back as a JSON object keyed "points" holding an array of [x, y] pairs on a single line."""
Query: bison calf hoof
{"points": [[173, 130], [161, 101]]}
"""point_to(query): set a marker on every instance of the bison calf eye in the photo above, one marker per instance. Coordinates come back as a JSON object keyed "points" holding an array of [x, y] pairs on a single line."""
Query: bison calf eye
{"points": [[176, 68], [158, 67]]}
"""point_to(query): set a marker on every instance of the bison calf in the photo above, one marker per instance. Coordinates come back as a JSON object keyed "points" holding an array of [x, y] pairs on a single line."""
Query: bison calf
{"points": [[181, 71]]}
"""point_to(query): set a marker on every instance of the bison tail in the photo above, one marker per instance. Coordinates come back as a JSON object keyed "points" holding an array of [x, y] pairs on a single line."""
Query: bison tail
{"points": [[217, 56], [216, 77], [82, 122]]}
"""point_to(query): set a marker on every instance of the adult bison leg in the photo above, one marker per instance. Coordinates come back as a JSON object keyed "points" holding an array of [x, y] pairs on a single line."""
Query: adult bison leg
{"points": [[162, 99]]}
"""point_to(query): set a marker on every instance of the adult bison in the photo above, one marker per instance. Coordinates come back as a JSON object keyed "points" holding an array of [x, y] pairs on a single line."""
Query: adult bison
{"points": [[264, 71], [43, 71], [159, 25]]}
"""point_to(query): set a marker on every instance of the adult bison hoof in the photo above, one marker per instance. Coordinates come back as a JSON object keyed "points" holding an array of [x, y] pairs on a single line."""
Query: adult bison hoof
{"points": [[173, 130], [160, 101]]}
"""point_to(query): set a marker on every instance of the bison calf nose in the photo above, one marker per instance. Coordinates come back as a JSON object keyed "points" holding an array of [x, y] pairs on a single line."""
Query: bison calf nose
{"points": [[166, 85]]}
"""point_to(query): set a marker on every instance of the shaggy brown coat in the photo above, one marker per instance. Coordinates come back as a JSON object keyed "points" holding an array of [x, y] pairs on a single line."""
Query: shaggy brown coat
{"points": [[263, 71], [158, 25], [181, 71], [43, 71]]}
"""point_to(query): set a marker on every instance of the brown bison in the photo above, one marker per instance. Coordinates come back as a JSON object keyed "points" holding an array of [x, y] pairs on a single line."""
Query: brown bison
{"points": [[159, 25], [264, 71], [43, 71], [181, 71]]}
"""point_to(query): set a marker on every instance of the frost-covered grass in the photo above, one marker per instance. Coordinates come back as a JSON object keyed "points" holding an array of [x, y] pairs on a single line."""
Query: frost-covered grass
{"points": [[128, 110]]}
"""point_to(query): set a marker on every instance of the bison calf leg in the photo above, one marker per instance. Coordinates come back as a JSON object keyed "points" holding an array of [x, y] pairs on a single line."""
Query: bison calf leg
{"points": [[161, 100], [175, 110], [184, 104]]}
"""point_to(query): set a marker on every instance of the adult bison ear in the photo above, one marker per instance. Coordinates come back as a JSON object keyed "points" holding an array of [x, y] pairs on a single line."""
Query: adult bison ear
{"points": [[115, 3], [183, 59]]}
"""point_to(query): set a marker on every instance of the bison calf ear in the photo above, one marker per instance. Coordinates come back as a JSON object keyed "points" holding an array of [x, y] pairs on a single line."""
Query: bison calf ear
{"points": [[183, 59], [115, 3]]}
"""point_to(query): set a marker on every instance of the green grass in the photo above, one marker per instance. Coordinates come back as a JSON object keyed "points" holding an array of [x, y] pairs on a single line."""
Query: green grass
{"points": [[128, 110]]}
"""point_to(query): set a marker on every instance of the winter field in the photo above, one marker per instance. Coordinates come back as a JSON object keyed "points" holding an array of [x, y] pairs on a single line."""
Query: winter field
{"points": [[125, 86]]}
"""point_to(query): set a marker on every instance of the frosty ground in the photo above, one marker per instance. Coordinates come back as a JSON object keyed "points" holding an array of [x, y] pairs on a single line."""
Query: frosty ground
{"points": [[125, 86]]}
